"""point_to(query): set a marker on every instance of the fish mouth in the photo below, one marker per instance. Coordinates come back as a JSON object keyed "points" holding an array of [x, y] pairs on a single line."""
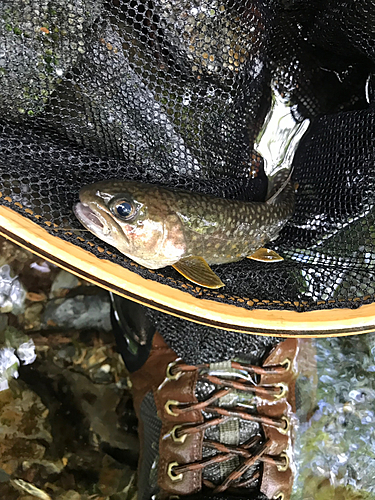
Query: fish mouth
{"points": [[101, 225], [90, 219]]}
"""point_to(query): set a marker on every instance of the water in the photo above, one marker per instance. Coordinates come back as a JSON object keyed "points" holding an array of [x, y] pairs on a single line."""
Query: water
{"points": [[336, 448]]}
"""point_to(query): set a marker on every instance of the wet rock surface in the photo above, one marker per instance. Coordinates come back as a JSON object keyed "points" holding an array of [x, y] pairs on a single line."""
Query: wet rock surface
{"points": [[67, 425]]}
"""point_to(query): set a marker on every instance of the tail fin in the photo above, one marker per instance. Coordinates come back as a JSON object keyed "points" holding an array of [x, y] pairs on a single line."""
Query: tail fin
{"points": [[280, 135], [277, 142], [277, 184]]}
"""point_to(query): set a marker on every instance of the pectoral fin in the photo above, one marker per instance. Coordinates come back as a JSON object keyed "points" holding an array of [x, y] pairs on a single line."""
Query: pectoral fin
{"points": [[198, 271], [265, 255]]}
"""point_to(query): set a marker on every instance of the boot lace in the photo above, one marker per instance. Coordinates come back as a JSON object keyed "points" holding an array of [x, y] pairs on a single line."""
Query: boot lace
{"points": [[251, 451]]}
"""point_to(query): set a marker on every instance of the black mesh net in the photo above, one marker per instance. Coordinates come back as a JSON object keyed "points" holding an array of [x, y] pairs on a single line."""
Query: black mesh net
{"points": [[174, 92]]}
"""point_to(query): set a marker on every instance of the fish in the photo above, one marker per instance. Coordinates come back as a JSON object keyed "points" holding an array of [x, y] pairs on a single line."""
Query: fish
{"points": [[157, 226]]}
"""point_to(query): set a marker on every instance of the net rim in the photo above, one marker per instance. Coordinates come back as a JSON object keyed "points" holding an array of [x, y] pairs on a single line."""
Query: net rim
{"points": [[322, 323]]}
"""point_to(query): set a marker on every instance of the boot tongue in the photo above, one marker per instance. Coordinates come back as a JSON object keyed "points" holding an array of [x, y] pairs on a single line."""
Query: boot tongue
{"points": [[197, 344]]}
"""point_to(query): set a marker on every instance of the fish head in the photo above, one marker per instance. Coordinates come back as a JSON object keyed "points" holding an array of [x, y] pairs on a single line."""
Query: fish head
{"points": [[138, 219]]}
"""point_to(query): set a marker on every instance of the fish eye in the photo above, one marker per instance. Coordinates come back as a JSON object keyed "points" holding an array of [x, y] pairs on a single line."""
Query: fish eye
{"points": [[123, 209]]}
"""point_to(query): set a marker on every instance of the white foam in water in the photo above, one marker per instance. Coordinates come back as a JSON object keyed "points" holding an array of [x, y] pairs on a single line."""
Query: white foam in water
{"points": [[12, 293], [9, 364], [10, 360]]}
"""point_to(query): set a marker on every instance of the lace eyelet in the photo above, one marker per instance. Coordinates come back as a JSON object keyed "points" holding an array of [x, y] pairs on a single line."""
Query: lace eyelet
{"points": [[169, 373], [283, 468], [167, 407], [284, 430], [172, 476], [175, 438], [279, 496], [287, 364], [284, 390]]}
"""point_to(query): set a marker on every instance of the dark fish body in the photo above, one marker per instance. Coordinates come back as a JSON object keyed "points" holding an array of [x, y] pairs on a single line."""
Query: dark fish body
{"points": [[222, 230], [157, 227]]}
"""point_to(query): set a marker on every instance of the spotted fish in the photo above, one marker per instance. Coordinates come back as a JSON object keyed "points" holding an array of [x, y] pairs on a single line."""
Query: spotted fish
{"points": [[159, 227]]}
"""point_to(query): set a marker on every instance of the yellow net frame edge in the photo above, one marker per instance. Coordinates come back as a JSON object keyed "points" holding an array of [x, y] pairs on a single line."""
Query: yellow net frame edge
{"points": [[324, 323]]}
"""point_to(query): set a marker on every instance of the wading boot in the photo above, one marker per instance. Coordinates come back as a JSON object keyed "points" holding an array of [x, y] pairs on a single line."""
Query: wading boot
{"points": [[215, 426]]}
